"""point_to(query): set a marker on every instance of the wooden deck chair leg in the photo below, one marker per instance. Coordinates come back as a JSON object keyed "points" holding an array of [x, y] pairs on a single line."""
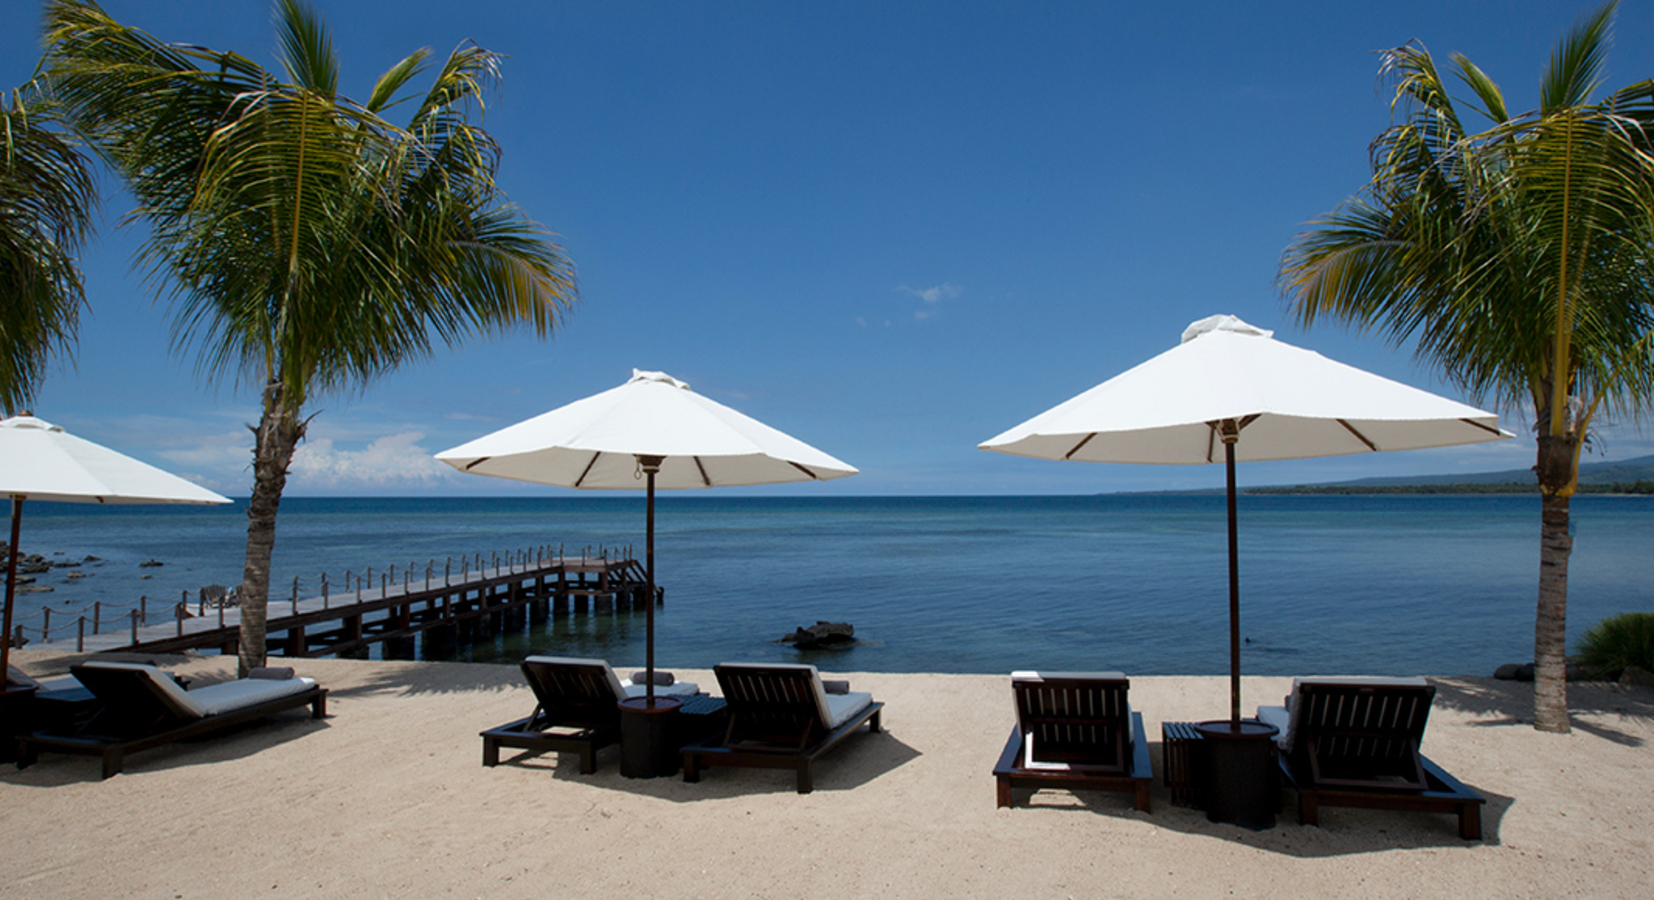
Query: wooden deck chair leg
{"points": [[1143, 796], [691, 767], [318, 706], [873, 723], [1003, 792], [1470, 821], [1309, 808], [806, 778], [588, 760], [490, 751], [113, 760]]}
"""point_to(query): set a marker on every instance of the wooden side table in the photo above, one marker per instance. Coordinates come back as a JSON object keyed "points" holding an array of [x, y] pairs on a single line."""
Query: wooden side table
{"points": [[1242, 783]]}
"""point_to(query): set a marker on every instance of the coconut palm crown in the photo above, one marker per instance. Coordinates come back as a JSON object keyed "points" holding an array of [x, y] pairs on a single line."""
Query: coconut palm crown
{"points": [[307, 244], [46, 198], [1518, 260]]}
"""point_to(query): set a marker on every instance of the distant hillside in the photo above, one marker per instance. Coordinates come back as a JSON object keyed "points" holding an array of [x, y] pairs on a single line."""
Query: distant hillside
{"points": [[1623, 476]]}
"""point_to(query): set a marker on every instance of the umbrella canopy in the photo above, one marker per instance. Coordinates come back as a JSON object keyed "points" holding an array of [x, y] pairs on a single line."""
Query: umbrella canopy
{"points": [[1294, 403], [651, 432], [40, 461], [594, 443], [1230, 391]]}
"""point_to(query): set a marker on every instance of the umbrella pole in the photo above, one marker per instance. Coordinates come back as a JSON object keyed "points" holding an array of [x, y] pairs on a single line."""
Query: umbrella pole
{"points": [[1231, 434], [650, 465], [11, 580]]}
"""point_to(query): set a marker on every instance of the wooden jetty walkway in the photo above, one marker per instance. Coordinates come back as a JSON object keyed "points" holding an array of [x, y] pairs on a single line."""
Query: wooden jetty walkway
{"points": [[441, 608]]}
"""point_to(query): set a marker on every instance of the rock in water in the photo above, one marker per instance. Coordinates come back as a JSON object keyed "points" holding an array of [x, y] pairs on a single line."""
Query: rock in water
{"points": [[821, 635]]}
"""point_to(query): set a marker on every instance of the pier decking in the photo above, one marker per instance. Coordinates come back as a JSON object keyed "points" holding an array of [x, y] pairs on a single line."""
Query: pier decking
{"points": [[441, 608]]}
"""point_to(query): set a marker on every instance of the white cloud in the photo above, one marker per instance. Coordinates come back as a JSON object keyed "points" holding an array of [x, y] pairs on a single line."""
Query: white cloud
{"points": [[932, 297], [393, 459]]}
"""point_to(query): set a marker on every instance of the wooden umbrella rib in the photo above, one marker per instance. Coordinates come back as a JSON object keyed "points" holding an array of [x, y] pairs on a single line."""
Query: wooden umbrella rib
{"points": [[706, 480], [477, 462], [1076, 447], [801, 468], [588, 469], [1475, 424], [1358, 435]]}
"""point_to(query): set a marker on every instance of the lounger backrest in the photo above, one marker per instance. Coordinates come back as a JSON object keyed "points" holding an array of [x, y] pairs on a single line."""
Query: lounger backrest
{"points": [[574, 691], [17, 676], [1361, 719], [134, 685], [774, 701], [1074, 717]]}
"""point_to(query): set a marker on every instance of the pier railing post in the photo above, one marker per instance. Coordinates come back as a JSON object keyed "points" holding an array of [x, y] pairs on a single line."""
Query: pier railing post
{"points": [[45, 625], [135, 616], [324, 595], [143, 611], [80, 635], [97, 613], [178, 615]]}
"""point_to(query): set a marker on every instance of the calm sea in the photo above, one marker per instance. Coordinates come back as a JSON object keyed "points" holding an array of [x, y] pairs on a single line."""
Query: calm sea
{"points": [[1350, 584]]}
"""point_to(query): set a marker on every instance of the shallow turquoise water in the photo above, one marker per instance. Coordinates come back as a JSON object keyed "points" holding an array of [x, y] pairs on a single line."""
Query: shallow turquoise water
{"points": [[1351, 584]]}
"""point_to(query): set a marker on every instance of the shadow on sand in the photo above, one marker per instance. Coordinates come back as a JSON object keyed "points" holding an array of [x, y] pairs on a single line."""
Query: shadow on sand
{"points": [[1342, 832]]}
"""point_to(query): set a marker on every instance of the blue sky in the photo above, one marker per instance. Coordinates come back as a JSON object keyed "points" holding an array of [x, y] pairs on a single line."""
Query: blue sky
{"points": [[892, 230]]}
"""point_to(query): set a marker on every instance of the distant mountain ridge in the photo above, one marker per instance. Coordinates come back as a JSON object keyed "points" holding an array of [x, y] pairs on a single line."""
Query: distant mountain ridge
{"points": [[1621, 472]]}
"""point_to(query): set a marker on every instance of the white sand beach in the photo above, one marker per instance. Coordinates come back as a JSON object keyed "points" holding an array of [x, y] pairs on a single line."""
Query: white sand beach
{"points": [[388, 798]]}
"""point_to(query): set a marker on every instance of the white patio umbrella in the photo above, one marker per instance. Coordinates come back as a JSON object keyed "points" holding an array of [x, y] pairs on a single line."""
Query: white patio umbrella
{"points": [[651, 432], [40, 461], [1231, 385]]}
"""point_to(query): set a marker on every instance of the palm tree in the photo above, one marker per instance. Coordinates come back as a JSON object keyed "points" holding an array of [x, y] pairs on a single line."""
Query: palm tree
{"points": [[46, 197], [307, 243], [1518, 258]]}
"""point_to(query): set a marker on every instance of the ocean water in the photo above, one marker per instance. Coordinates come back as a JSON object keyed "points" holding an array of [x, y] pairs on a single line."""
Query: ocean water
{"points": [[1382, 585]]}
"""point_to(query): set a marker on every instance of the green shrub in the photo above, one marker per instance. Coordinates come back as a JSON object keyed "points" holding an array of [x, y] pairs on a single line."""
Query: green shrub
{"points": [[1618, 641]]}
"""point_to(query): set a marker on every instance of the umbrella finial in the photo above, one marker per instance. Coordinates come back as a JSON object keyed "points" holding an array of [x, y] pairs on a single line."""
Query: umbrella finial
{"points": [[1222, 323], [641, 375]]}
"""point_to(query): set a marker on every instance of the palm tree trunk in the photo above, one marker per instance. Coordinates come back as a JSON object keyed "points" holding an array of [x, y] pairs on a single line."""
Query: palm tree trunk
{"points": [[278, 434], [1557, 471]]}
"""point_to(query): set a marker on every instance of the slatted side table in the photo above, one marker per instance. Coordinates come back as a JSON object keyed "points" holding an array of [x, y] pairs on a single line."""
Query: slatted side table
{"points": [[1179, 744]]}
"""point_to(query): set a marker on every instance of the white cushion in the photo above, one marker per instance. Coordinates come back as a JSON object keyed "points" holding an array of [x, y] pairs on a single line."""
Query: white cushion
{"points": [[842, 708], [217, 699], [1282, 720], [213, 699], [675, 689]]}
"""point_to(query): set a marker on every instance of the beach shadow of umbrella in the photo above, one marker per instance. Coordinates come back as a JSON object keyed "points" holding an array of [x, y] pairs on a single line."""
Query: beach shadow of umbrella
{"points": [[857, 762], [1342, 832]]}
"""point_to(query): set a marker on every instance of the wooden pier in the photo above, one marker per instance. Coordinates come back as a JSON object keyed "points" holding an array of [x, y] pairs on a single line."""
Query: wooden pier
{"points": [[443, 609]]}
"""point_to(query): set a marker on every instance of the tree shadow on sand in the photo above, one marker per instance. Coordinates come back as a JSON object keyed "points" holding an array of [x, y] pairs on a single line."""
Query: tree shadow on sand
{"points": [[1600, 709]]}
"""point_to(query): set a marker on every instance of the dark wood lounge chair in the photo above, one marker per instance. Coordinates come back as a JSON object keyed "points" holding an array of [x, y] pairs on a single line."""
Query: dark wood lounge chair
{"points": [[1076, 731], [1355, 742], [575, 710], [143, 707], [780, 717]]}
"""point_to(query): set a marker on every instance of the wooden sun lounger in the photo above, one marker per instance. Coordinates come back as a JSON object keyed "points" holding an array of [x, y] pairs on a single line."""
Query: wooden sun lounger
{"points": [[1355, 743], [780, 717], [1085, 737], [139, 713], [576, 711]]}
